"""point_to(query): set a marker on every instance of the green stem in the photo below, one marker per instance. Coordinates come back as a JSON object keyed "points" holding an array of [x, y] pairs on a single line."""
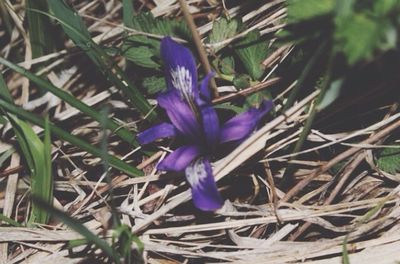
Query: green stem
{"points": [[307, 69], [290, 170]]}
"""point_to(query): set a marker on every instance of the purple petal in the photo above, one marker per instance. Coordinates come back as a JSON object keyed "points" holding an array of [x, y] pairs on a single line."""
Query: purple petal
{"points": [[204, 86], [180, 68], [210, 125], [240, 126], [180, 114], [179, 159], [162, 130], [204, 189]]}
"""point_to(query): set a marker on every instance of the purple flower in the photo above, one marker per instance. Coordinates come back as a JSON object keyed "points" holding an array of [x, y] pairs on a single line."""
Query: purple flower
{"points": [[194, 119]]}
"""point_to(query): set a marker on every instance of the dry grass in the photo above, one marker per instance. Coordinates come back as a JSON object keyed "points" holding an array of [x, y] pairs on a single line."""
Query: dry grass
{"points": [[260, 223]]}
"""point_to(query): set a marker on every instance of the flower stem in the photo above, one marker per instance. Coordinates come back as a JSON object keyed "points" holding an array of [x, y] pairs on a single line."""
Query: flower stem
{"points": [[197, 41]]}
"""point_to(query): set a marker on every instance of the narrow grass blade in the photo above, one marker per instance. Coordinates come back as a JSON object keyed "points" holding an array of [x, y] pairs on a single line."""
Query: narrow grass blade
{"points": [[113, 161], [4, 92], [345, 252], [127, 13], [79, 228], [38, 158], [9, 221], [39, 27], [75, 28], [122, 132]]}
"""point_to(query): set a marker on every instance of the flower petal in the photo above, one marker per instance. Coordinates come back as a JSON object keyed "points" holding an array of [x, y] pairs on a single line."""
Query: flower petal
{"points": [[179, 159], [204, 86], [210, 126], [242, 125], [204, 189], [162, 130], [180, 114], [181, 73]]}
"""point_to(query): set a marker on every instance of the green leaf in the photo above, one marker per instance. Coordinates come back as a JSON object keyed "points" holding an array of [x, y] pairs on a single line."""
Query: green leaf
{"points": [[142, 56], [242, 81], [5, 155], [252, 50], [9, 221], [4, 92], [127, 12], [64, 135], [331, 94], [38, 158], [146, 22], [154, 84], [145, 51], [231, 107], [223, 29], [255, 99], [357, 36], [79, 228], [75, 28], [384, 7], [299, 10], [389, 160], [40, 28], [227, 65], [345, 252]]}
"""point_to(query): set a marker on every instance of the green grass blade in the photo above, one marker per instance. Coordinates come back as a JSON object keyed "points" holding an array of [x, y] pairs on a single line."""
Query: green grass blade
{"points": [[39, 162], [113, 161], [127, 13], [40, 28], [75, 29], [122, 132], [345, 252], [79, 228], [4, 92], [9, 221]]}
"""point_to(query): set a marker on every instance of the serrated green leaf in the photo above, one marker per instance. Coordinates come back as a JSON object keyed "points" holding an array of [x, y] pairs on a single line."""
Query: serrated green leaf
{"points": [[255, 99], [389, 160], [357, 36], [223, 29], [142, 56], [252, 50], [145, 51], [231, 107], [154, 84], [242, 81], [299, 10], [227, 65]]}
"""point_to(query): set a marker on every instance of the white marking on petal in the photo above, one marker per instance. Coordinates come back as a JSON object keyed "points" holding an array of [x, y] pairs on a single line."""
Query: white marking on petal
{"points": [[195, 173], [182, 80]]}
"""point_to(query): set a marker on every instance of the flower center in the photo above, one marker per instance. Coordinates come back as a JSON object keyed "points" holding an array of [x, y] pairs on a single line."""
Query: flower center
{"points": [[182, 80], [196, 173]]}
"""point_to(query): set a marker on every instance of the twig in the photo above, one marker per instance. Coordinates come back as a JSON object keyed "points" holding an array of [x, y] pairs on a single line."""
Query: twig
{"points": [[247, 91], [303, 183], [199, 45]]}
